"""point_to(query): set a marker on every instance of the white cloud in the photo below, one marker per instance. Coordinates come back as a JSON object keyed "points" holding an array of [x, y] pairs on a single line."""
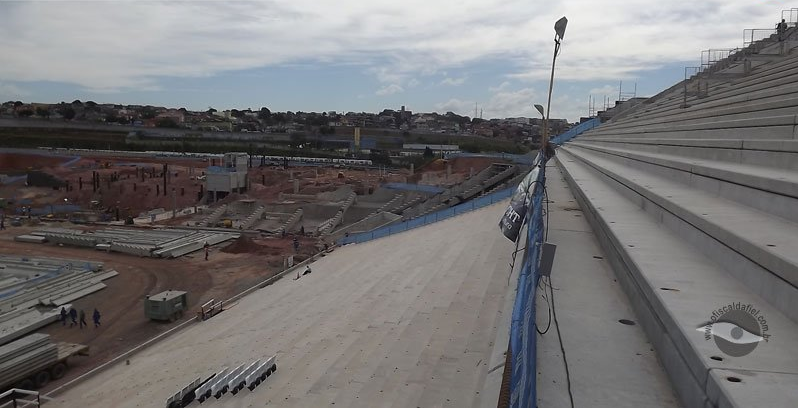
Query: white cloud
{"points": [[453, 81], [516, 103], [501, 87], [11, 91], [502, 104], [130, 45], [604, 90], [389, 90]]}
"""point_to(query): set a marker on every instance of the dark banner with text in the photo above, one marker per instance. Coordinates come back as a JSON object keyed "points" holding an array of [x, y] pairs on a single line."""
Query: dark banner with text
{"points": [[513, 218]]}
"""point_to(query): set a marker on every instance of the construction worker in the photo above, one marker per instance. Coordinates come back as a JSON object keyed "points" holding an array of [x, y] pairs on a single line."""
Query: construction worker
{"points": [[96, 317], [307, 270], [207, 248], [82, 319], [73, 314], [781, 28], [63, 316]]}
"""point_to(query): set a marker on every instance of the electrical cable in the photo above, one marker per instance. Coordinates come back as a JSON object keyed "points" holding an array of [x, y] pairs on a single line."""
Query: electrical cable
{"points": [[545, 297], [562, 348]]}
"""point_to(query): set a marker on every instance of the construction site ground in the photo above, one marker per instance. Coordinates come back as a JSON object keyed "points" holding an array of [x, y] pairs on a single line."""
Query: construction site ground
{"points": [[229, 270]]}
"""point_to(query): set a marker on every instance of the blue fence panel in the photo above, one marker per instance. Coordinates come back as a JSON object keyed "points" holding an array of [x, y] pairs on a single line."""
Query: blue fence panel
{"points": [[429, 218], [576, 131], [515, 158], [522, 329], [414, 187]]}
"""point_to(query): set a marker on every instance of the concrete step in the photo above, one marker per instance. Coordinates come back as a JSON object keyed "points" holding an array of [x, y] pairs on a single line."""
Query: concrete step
{"points": [[769, 190], [757, 248], [780, 154], [675, 287]]}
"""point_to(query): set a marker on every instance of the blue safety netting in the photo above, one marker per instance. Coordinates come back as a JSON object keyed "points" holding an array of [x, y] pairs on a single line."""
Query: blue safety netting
{"points": [[523, 344]]}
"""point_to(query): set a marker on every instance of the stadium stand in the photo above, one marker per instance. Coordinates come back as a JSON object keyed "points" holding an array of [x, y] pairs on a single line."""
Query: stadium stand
{"points": [[694, 195]]}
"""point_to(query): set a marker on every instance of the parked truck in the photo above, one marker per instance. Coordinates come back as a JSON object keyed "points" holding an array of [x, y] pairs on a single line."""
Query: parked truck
{"points": [[32, 361]]}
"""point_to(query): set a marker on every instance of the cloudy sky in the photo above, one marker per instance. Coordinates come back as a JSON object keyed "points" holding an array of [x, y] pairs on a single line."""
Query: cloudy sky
{"points": [[360, 55]]}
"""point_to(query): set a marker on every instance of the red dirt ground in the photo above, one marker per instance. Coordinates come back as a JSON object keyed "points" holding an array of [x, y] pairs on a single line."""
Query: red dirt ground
{"points": [[121, 302], [16, 162]]}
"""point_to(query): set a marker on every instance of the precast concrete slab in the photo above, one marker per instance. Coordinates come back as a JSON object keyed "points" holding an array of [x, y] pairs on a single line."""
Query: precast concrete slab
{"points": [[400, 321], [611, 364]]}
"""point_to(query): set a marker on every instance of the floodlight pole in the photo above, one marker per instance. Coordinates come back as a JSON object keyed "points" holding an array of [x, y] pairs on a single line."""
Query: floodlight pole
{"points": [[559, 29]]}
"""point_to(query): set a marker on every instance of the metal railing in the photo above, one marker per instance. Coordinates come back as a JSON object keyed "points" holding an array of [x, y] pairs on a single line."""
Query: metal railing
{"points": [[16, 397], [790, 16], [713, 56], [441, 215], [752, 35]]}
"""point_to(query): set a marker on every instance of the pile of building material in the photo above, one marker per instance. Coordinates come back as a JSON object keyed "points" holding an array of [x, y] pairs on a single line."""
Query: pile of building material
{"points": [[30, 283], [31, 362], [26, 355], [159, 243]]}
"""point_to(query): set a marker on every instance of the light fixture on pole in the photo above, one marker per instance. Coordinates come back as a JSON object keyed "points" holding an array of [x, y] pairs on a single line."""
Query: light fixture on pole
{"points": [[559, 34]]}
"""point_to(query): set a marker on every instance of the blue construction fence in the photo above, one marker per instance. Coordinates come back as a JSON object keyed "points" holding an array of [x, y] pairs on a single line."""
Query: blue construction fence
{"points": [[515, 158], [523, 343], [576, 131], [414, 187], [467, 206]]}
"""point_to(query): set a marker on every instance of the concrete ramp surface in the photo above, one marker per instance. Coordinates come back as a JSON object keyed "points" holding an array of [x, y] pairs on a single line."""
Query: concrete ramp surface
{"points": [[408, 320]]}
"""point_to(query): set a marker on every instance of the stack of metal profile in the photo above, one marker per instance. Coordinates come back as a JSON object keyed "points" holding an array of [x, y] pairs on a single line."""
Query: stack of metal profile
{"points": [[160, 243]]}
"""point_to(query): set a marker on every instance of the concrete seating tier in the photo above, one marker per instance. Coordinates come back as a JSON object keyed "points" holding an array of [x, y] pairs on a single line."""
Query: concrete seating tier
{"points": [[767, 92], [697, 208], [675, 250]]}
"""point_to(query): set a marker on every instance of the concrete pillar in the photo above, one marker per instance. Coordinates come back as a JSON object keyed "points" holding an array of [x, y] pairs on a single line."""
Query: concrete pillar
{"points": [[174, 203], [412, 169], [296, 186], [448, 170], [471, 172]]}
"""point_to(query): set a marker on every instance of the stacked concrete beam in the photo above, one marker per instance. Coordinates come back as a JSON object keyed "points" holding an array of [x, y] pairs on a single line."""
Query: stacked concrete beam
{"points": [[697, 208], [18, 323], [26, 355]]}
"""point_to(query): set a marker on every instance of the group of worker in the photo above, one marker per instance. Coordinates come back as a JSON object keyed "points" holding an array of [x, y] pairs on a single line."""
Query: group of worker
{"points": [[74, 315]]}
